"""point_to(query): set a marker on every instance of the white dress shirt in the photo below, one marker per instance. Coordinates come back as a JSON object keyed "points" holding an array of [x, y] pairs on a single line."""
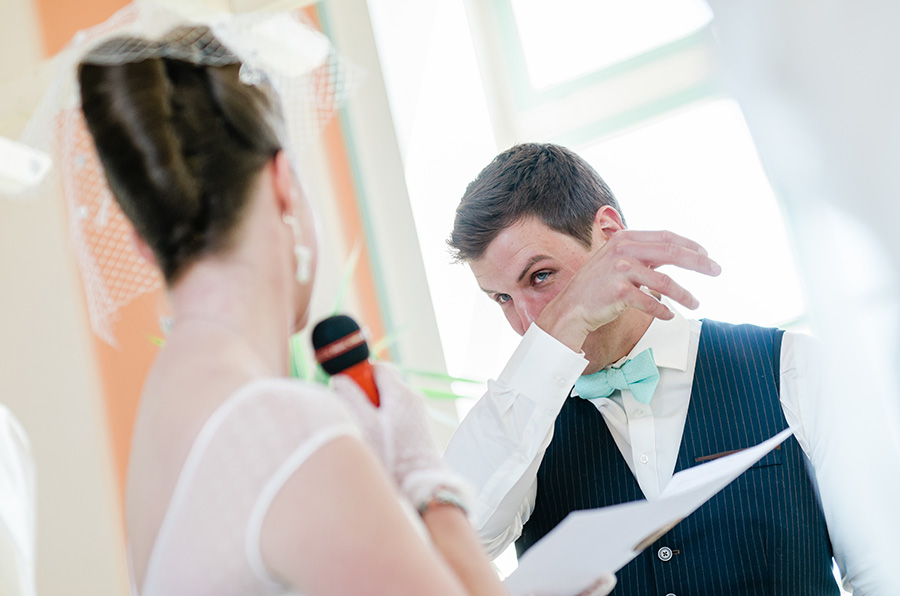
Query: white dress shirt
{"points": [[501, 442]]}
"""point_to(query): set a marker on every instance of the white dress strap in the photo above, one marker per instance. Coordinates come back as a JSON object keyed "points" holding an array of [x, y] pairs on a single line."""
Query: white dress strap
{"points": [[208, 542]]}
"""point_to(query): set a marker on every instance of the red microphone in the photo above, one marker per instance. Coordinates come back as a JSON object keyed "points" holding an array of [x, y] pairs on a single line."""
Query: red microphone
{"points": [[340, 347]]}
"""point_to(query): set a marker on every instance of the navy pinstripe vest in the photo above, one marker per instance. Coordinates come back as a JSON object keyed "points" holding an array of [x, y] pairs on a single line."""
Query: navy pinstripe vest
{"points": [[764, 534]]}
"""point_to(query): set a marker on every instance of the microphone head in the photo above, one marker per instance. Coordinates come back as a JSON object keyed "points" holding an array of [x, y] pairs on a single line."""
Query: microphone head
{"points": [[339, 344]]}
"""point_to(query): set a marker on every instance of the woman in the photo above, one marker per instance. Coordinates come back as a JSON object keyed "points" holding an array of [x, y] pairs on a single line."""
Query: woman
{"points": [[241, 481]]}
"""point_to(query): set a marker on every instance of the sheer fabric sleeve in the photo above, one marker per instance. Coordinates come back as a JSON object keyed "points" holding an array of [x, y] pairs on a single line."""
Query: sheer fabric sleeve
{"points": [[209, 540]]}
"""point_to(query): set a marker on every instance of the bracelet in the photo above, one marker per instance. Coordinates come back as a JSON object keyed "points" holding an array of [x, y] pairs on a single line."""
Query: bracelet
{"points": [[444, 496]]}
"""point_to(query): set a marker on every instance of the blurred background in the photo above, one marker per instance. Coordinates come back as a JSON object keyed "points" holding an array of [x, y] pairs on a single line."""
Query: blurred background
{"points": [[672, 101]]}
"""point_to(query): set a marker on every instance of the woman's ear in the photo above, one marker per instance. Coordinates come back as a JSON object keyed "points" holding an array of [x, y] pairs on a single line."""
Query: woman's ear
{"points": [[143, 248], [283, 179]]}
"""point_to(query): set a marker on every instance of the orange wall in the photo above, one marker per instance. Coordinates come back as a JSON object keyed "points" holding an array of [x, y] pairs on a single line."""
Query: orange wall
{"points": [[351, 218], [123, 370], [61, 19]]}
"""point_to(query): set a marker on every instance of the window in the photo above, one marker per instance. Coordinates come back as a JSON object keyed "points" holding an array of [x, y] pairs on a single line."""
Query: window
{"points": [[569, 39]]}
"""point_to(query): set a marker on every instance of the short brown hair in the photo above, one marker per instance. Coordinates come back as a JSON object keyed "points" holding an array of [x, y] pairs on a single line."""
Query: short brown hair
{"points": [[532, 179]]}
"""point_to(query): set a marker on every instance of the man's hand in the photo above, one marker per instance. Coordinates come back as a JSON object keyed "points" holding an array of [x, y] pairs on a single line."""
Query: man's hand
{"points": [[612, 280]]}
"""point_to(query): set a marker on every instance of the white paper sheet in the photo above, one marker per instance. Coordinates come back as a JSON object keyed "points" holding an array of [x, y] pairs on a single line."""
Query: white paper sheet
{"points": [[589, 543]]}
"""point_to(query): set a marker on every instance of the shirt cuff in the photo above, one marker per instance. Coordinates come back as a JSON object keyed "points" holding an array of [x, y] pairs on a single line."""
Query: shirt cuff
{"points": [[542, 367]]}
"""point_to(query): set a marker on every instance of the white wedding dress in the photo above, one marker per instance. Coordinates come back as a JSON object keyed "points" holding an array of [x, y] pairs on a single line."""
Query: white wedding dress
{"points": [[208, 543]]}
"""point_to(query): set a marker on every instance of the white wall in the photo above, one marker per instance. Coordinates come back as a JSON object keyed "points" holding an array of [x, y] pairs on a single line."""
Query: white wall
{"points": [[47, 373]]}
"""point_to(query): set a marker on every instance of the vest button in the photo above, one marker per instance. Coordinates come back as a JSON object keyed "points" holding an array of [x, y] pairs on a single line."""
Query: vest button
{"points": [[671, 594], [664, 554]]}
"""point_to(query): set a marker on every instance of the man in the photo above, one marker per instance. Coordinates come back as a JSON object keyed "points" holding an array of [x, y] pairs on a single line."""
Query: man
{"points": [[546, 240]]}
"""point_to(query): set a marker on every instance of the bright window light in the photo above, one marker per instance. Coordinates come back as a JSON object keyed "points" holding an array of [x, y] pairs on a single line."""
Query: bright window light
{"points": [[566, 39], [697, 174], [444, 130]]}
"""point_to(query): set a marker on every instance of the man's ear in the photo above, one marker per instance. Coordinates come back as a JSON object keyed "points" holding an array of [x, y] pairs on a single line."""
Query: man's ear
{"points": [[143, 248], [283, 181], [607, 222]]}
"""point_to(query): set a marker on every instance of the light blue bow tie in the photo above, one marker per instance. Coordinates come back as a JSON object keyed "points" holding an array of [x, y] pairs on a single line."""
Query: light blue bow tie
{"points": [[639, 375]]}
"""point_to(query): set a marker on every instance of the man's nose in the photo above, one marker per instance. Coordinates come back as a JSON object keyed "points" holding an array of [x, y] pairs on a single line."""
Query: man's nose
{"points": [[527, 312]]}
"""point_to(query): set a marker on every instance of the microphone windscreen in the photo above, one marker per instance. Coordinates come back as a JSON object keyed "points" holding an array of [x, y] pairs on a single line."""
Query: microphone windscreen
{"points": [[339, 344]]}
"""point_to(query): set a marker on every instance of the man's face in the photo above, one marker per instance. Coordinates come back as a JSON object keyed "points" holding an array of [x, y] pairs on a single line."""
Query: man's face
{"points": [[526, 266]]}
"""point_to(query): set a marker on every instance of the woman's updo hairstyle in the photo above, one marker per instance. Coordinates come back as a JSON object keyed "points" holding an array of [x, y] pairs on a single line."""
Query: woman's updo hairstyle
{"points": [[180, 137]]}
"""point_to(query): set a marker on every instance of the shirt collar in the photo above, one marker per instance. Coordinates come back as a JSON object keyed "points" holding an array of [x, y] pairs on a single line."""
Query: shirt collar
{"points": [[670, 341]]}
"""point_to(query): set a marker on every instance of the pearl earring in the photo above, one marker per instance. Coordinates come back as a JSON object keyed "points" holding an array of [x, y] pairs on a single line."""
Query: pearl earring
{"points": [[304, 263], [302, 253]]}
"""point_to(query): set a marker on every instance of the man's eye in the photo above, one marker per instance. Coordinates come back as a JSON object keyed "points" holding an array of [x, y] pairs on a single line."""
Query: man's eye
{"points": [[502, 298], [540, 276]]}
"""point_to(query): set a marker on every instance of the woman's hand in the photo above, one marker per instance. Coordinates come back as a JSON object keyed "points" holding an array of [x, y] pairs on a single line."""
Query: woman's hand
{"points": [[398, 432]]}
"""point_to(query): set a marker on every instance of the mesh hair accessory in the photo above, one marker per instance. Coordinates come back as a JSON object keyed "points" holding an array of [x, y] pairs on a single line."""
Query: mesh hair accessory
{"points": [[398, 432], [278, 49]]}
